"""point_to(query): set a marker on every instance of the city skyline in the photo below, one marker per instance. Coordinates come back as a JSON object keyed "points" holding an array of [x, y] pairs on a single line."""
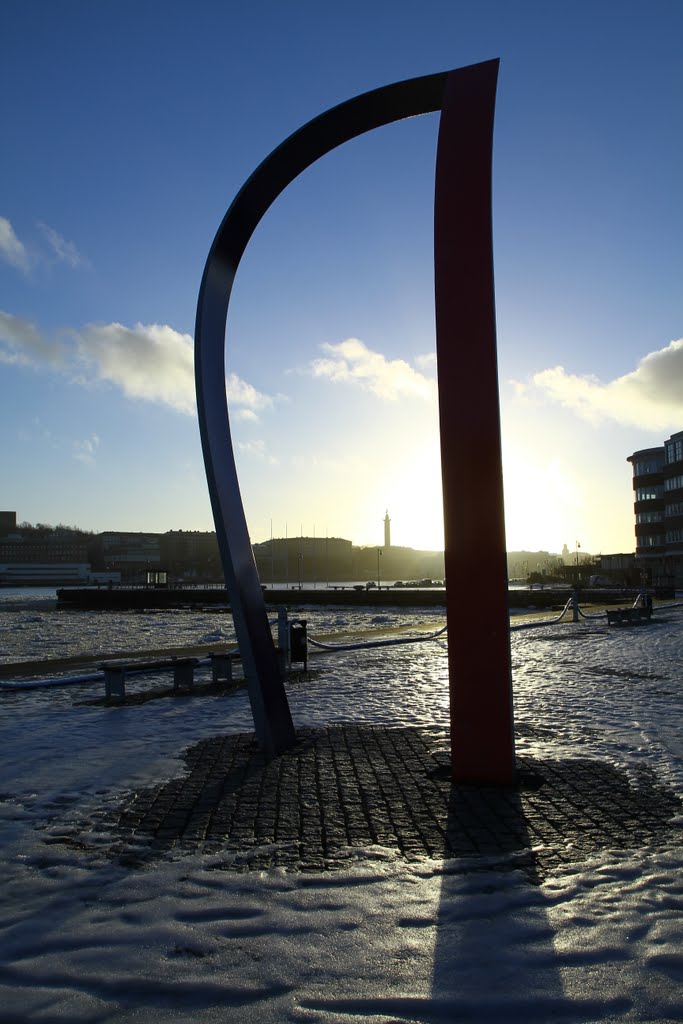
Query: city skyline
{"points": [[131, 128], [566, 554]]}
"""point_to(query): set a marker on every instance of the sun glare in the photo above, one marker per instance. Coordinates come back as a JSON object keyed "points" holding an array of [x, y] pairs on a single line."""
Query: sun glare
{"points": [[415, 504], [543, 504], [414, 501]]}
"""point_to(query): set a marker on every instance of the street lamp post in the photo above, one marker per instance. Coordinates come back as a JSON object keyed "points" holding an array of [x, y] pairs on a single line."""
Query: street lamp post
{"points": [[379, 555], [301, 556]]}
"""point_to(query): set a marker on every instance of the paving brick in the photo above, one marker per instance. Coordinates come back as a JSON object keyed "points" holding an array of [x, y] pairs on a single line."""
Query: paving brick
{"points": [[349, 786]]}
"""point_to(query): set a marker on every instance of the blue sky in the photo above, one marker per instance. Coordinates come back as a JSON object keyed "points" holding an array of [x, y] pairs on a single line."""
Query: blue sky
{"points": [[129, 127]]}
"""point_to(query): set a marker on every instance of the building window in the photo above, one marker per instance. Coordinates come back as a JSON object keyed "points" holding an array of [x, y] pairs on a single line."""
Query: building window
{"points": [[674, 483], [675, 508], [674, 451], [674, 536], [649, 517], [643, 468], [655, 541], [650, 493]]}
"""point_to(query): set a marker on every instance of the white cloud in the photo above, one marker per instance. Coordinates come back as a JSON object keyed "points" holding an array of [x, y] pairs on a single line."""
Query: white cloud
{"points": [[148, 361], [426, 362], [246, 396], [12, 251], [352, 361], [21, 342], [256, 449], [64, 250], [521, 390], [85, 451], [245, 415], [152, 362], [651, 396]]}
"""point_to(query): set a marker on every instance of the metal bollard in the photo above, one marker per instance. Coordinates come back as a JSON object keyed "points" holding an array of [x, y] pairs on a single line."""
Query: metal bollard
{"points": [[283, 640]]}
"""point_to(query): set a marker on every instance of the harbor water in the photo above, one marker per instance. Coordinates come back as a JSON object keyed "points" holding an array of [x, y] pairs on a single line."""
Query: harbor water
{"points": [[33, 628]]}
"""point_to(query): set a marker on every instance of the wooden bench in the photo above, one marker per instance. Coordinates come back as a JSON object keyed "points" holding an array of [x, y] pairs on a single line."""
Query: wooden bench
{"points": [[115, 673], [628, 616]]}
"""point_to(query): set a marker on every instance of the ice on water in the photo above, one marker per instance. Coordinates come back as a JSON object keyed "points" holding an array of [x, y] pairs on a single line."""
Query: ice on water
{"points": [[85, 940]]}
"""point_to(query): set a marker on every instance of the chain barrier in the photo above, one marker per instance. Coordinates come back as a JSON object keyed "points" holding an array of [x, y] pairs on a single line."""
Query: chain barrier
{"points": [[364, 644]]}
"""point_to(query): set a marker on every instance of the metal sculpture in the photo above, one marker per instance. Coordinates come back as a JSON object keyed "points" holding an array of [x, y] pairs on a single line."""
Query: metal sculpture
{"points": [[479, 641], [482, 730]]}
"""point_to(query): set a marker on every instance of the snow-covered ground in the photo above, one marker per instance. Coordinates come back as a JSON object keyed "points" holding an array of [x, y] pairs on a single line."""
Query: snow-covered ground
{"points": [[86, 940]]}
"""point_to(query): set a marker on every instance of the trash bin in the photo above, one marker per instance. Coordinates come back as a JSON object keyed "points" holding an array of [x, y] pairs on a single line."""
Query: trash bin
{"points": [[298, 641]]}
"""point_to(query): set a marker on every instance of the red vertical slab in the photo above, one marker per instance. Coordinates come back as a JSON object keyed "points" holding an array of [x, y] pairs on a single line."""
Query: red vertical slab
{"points": [[482, 732]]}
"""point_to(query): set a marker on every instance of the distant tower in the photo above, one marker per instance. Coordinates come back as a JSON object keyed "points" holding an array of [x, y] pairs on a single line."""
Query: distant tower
{"points": [[387, 531]]}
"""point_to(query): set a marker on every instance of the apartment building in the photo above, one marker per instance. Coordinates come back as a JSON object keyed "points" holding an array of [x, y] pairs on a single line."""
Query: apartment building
{"points": [[658, 509]]}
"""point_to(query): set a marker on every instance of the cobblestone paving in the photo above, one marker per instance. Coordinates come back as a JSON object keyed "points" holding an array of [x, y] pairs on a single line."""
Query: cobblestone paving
{"points": [[344, 789]]}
